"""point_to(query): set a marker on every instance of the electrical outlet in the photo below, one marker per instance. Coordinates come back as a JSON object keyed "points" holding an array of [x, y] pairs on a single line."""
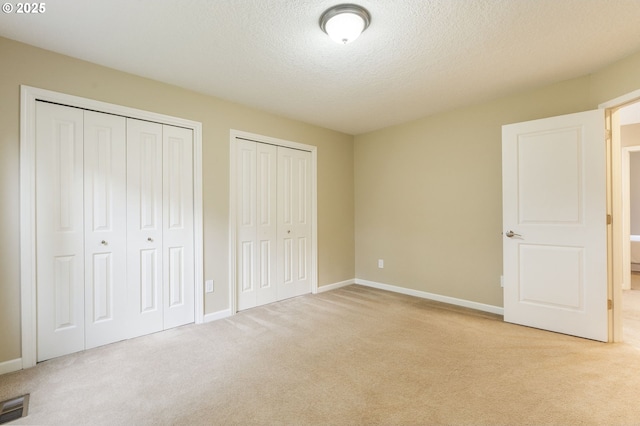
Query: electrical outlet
{"points": [[380, 263], [208, 286]]}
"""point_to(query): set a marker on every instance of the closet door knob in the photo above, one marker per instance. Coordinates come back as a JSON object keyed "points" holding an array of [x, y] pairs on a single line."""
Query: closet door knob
{"points": [[150, 239], [104, 243]]}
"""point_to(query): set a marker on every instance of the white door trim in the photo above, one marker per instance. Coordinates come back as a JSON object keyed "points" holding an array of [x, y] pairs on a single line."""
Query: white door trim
{"points": [[28, 97], [232, 206], [620, 101]]}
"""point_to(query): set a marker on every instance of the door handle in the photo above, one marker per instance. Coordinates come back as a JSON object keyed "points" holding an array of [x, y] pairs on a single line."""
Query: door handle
{"points": [[103, 242], [150, 239], [512, 234]]}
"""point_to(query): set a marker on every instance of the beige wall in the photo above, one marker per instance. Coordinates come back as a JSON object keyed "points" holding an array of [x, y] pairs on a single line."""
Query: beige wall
{"points": [[428, 192], [22, 64]]}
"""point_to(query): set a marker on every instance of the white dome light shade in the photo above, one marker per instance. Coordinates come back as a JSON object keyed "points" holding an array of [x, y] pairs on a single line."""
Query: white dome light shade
{"points": [[344, 28], [344, 23]]}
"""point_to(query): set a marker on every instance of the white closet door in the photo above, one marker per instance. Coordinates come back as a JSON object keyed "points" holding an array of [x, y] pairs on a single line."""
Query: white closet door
{"points": [[256, 224], [294, 222], [178, 238], [144, 227], [105, 228], [266, 224], [60, 230], [246, 229]]}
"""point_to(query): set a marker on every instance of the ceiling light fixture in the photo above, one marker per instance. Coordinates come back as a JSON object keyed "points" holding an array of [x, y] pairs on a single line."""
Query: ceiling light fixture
{"points": [[345, 22]]}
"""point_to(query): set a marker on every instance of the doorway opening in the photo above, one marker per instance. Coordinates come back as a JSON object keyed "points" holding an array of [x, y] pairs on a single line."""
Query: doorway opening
{"points": [[622, 115], [628, 129]]}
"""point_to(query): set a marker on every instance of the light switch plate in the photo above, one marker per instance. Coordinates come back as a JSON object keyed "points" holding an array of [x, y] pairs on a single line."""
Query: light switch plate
{"points": [[208, 286]]}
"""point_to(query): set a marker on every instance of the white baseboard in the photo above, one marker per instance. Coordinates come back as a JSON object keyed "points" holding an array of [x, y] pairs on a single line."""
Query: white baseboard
{"points": [[431, 296], [217, 315], [334, 286], [11, 366]]}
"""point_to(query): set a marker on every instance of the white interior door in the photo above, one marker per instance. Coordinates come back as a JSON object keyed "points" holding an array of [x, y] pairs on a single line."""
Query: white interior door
{"points": [[144, 227], [105, 228], [178, 230], [554, 221], [60, 230], [294, 222]]}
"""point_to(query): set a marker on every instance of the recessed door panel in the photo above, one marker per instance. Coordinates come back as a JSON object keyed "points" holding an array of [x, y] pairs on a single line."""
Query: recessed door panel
{"points": [[302, 258], [149, 284], [302, 189], [246, 269], [102, 290], [288, 261], [285, 190], [176, 276], [550, 177], [176, 187], [552, 276], [149, 178], [65, 286], [265, 264]]}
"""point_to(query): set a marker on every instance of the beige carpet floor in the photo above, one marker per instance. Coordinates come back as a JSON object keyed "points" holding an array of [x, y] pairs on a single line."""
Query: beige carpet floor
{"points": [[631, 312], [347, 357]]}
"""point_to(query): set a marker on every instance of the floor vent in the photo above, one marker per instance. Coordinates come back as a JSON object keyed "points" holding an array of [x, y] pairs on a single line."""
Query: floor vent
{"points": [[14, 408]]}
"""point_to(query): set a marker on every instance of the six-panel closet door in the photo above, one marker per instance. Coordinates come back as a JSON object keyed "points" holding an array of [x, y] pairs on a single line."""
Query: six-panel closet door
{"points": [[115, 229], [273, 223]]}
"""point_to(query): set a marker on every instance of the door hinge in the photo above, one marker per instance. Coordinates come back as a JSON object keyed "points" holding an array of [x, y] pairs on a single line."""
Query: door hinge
{"points": [[609, 304], [607, 134], [609, 219]]}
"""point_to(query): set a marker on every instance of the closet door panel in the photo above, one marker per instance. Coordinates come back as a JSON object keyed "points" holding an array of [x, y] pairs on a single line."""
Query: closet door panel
{"points": [[302, 221], [178, 239], [60, 231], [294, 222], [246, 227], [256, 223], [144, 227], [105, 228], [266, 223]]}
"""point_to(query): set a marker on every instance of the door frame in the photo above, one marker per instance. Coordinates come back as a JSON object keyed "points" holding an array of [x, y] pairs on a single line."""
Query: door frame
{"points": [[233, 134], [615, 208], [28, 97]]}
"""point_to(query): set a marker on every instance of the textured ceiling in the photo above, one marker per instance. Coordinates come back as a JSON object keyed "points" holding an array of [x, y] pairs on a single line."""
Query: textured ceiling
{"points": [[417, 58]]}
